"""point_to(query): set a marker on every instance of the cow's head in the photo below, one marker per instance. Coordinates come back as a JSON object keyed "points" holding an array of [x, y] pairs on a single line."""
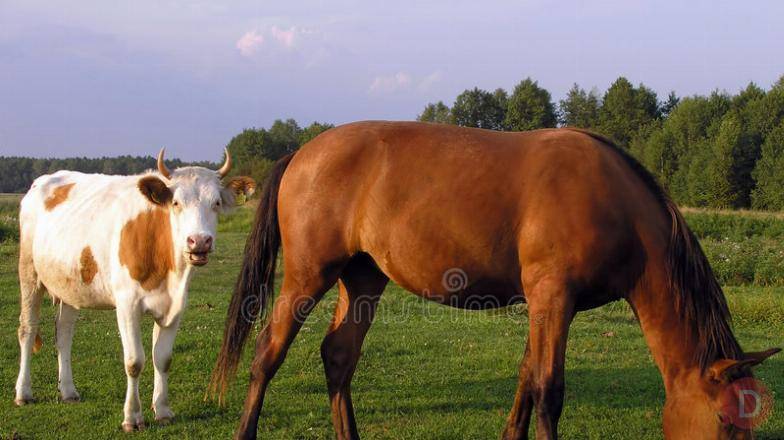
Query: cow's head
{"points": [[194, 196]]}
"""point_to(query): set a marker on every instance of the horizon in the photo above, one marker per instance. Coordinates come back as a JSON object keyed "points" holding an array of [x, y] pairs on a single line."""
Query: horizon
{"points": [[92, 79]]}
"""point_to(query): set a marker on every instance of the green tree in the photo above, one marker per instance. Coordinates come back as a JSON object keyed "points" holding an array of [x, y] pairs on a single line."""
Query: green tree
{"points": [[284, 138], [436, 112], [668, 147], [478, 108], [502, 99], [529, 107], [669, 105], [725, 166], [626, 109], [769, 172], [313, 130], [579, 108]]}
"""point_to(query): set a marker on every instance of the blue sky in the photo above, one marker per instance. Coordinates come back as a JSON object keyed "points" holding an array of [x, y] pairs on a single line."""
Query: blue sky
{"points": [[92, 77]]}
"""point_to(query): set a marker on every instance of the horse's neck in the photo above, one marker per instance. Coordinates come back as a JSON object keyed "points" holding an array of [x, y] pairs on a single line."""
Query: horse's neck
{"points": [[670, 339]]}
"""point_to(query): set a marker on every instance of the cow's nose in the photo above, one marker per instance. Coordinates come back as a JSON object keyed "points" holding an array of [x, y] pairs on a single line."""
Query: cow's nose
{"points": [[200, 243]]}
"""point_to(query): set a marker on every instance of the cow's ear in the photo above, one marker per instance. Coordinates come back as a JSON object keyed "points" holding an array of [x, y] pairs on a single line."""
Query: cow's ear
{"points": [[239, 188], [155, 190]]}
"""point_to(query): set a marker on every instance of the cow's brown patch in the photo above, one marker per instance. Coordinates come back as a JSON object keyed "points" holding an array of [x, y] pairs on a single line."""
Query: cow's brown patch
{"points": [[59, 195], [38, 343], [134, 369], [146, 247], [87, 265]]}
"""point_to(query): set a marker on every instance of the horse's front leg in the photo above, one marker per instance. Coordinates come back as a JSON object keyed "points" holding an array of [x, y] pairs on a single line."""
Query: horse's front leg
{"points": [[129, 322], [162, 345], [550, 311]]}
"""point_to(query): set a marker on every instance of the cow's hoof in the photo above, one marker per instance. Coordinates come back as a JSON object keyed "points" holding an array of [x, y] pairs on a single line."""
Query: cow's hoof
{"points": [[131, 427], [71, 398], [23, 401], [164, 415]]}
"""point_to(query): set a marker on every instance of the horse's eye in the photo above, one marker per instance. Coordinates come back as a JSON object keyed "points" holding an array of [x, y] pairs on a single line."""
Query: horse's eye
{"points": [[176, 203]]}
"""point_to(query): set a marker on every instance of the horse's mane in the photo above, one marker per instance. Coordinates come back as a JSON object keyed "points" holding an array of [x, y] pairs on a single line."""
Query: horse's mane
{"points": [[699, 298]]}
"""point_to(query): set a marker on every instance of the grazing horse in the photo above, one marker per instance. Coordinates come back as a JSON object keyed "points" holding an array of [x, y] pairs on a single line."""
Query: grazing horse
{"points": [[559, 218], [123, 242]]}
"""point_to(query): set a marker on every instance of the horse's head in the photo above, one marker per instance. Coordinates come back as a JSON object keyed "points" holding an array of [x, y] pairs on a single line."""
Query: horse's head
{"points": [[724, 402]]}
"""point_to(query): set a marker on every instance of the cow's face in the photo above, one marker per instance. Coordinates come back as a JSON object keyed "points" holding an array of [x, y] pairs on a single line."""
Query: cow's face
{"points": [[194, 196]]}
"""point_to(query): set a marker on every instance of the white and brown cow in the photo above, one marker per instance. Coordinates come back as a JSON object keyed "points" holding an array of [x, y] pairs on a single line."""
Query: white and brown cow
{"points": [[123, 242]]}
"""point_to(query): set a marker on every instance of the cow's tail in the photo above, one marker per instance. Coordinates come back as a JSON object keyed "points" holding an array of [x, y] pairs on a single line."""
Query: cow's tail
{"points": [[255, 283]]}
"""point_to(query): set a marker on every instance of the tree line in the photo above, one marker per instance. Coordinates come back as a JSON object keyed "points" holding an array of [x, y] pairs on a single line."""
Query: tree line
{"points": [[18, 173], [254, 151], [721, 151]]}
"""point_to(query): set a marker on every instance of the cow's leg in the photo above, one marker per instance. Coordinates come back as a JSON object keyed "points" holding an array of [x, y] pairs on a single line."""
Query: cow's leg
{"points": [[129, 322], [162, 344], [361, 285], [300, 292], [64, 324], [29, 314], [550, 311]]}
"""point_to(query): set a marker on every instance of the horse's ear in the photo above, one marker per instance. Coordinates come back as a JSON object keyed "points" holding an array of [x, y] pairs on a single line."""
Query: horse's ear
{"points": [[724, 370], [760, 356]]}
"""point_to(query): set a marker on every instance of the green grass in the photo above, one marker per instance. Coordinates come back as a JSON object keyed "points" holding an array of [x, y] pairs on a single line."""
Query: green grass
{"points": [[427, 371], [9, 213]]}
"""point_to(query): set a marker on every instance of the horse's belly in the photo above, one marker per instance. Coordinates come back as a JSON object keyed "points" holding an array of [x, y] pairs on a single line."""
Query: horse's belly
{"points": [[452, 281]]}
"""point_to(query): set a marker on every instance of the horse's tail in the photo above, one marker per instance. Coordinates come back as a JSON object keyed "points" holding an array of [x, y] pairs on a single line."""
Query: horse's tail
{"points": [[255, 283]]}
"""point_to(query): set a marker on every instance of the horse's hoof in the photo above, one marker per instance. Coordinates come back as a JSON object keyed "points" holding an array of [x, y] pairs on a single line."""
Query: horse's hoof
{"points": [[163, 421]]}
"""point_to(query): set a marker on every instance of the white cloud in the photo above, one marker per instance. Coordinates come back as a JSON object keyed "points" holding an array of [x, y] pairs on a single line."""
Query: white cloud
{"points": [[390, 84], [427, 82], [403, 81], [249, 43], [284, 36]]}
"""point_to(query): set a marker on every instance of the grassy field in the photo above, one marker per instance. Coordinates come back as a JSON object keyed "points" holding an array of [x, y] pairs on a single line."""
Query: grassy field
{"points": [[427, 372]]}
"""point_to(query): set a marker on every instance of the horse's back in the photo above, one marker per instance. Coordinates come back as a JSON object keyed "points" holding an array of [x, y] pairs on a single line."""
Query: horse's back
{"points": [[426, 200]]}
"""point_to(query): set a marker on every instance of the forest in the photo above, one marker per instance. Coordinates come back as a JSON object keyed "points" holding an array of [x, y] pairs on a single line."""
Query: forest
{"points": [[724, 150]]}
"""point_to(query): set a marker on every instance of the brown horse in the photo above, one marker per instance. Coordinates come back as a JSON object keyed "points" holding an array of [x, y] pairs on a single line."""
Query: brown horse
{"points": [[561, 219]]}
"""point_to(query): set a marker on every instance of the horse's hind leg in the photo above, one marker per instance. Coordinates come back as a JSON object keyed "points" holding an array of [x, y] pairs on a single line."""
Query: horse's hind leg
{"points": [[29, 314], [550, 311], [300, 292], [520, 416], [361, 285]]}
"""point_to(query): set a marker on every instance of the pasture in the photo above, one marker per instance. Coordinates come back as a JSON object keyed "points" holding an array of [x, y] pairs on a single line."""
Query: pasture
{"points": [[427, 371]]}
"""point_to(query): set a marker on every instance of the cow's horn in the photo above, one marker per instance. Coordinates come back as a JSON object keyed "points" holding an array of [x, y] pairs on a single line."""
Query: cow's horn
{"points": [[224, 170], [162, 166]]}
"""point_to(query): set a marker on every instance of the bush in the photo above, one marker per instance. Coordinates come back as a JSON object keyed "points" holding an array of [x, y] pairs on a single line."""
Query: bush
{"points": [[734, 226]]}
